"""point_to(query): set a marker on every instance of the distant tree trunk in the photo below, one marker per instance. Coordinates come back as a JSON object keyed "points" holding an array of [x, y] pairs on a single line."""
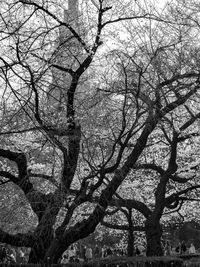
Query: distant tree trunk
{"points": [[153, 237], [130, 248]]}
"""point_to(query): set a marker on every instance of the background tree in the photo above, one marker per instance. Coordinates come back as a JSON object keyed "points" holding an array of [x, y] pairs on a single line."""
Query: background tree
{"points": [[159, 72], [128, 225]]}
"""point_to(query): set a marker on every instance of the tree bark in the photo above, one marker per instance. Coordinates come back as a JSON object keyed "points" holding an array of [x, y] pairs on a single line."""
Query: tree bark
{"points": [[38, 250], [55, 251], [130, 248], [37, 253], [153, 237]]}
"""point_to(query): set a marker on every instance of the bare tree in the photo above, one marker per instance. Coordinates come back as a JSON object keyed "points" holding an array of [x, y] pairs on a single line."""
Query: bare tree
{"points": [[87, 154], [158, 77]]}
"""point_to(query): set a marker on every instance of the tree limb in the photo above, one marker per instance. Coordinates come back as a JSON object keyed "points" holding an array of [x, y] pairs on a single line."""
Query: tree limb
{"points": [[20, 240], [121, 227], [20, 159]]}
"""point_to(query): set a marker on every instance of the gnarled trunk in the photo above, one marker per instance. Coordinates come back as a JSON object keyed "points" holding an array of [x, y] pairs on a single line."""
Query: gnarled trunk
{"points": [[37, 253], [40, 247], [55, 251], [44, 233], [153, 237]]}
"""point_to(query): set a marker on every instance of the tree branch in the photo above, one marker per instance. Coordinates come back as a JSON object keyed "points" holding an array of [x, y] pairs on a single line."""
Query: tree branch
{"points": [[61, 23], [121, 227], [9, 176], [20, 240], [176, 196], [20, 160], [150, 166]]}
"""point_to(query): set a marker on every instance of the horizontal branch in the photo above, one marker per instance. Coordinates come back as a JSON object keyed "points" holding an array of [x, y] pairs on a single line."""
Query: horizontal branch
{"points": [[9, 176], [19, 240], [179, 179], [178, 195], [121, 227], [150, 166], [144, 16], [131, 204], [68, 70]]}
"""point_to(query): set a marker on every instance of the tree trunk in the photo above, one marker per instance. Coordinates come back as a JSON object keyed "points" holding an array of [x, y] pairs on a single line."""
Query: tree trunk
{"points": [[44, 234], [153, 237], [130, 248], [40, 247], [54, 252], [37, 253]]}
